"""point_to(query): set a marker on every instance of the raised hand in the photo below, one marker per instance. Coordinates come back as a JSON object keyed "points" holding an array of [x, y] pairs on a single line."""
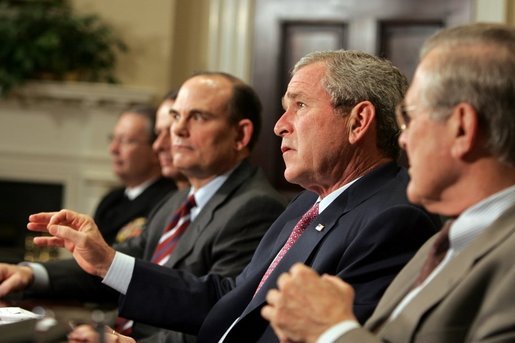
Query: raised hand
{"points": [[77, 233]]}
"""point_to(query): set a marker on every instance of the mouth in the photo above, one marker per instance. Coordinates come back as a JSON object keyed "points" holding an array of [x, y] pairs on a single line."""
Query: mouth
{"points": [[180, 146], [285, 149], [165, 159]]}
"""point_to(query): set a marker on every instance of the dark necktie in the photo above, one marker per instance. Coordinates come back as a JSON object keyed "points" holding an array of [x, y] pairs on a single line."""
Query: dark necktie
{"points": [[173, 231], [299, 228], [171, 234], [436, 254]]}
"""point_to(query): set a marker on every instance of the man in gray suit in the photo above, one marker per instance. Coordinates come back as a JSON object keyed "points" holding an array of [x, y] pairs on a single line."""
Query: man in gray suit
{"points": [[218, 120], [458, 125]]}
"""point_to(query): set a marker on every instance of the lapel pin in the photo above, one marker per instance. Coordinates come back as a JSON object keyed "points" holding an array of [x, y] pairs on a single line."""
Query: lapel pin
{"points": [[319, 227]]}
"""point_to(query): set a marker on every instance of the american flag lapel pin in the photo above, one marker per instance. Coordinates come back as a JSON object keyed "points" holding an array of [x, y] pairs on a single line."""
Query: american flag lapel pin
{"points": [[319, 227]]}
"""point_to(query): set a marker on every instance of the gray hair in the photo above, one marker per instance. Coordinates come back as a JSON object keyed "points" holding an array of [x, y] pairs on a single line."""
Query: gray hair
{"points": [[476, 65], [355, 76]]}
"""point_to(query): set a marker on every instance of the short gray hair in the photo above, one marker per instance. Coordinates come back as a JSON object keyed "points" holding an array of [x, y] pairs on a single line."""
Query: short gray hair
{"points": [[355, 76], [476, 65]]}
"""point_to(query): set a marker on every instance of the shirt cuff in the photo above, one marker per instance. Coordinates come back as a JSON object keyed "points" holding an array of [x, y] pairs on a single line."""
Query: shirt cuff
{"points": [[41, 280], [120, 272], [338, 330]]}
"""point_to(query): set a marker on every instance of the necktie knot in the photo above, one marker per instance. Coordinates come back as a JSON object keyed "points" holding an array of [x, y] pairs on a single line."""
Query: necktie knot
{"points": [[173, 231]]}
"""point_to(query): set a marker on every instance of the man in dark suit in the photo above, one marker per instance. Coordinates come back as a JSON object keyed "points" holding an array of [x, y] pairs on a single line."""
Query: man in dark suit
{"points": [[458, 126], [235, 202], [136, 165], [339, 143]]}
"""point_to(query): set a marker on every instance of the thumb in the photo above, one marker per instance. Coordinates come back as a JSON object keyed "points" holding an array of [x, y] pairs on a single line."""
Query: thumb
{"points": [[65, 232]]}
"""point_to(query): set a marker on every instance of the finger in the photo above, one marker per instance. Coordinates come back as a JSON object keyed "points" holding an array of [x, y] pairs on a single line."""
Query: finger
{"points": [[37, 227], [41, 217], [301, 270], [283, 280], [83, 333], [65, 232], [59, 217], [272, 296], [6, 287], [336, 281], [268, 312], [49, 242]]}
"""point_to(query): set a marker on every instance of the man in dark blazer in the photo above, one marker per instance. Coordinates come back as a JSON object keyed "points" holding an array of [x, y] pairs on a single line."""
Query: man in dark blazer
{"points": [[230, 222], [458, 134], [338, 142], [122, 217]]}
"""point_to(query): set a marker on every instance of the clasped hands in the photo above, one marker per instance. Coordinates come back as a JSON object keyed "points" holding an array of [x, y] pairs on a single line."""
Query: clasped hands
{"points": [[305, 304], [79, 234]]}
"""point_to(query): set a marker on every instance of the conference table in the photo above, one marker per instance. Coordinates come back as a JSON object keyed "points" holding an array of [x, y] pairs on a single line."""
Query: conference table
{"points": [[54, 318]]}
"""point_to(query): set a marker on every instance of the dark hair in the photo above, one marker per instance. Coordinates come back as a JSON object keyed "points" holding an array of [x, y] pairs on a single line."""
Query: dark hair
{"points": [[243, 104], [148, 112], [170, 95]]}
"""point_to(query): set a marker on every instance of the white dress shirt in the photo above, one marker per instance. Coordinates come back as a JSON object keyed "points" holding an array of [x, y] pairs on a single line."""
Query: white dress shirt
{"points": [[120, 272]]}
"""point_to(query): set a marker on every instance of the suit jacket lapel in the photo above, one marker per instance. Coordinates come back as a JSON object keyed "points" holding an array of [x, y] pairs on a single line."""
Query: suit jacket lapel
{"points": [[190, 236], [309, 240], [453, 273]]}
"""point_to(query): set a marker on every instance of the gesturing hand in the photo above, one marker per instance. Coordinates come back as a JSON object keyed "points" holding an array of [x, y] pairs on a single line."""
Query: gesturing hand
{"points": [[77, 233]]}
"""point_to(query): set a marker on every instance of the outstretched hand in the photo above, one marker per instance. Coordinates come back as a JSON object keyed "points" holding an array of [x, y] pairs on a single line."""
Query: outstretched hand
{"points": [[79, 234], [306, 304]]}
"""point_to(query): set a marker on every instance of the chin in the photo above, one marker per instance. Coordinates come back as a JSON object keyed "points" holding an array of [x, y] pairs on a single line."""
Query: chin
{"points": [[414, 197]]}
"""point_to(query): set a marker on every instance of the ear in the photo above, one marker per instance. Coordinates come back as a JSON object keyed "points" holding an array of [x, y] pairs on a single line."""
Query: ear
{"points": [[244, 131], [361, 119], [464, 127]]}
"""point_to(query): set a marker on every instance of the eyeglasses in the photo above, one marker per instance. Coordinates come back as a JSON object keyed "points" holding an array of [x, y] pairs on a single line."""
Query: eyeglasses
{"points": [[126, 141], [402, 115]]}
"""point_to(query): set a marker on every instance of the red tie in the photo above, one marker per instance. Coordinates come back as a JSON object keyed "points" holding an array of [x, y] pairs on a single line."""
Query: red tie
{"points": [[173, 231], [299, 228], [167, 242]]}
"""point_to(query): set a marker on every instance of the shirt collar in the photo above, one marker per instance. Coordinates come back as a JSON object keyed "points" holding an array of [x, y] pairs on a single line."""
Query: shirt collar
{"points": [[325, 202], [134, 192], [477, 218], [206, 192]]}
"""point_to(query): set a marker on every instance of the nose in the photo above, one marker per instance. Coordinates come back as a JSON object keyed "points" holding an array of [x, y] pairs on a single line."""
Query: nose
{"points": [[162, 141], [179, 126], [281, 126], [114, 147], [402, 140]]}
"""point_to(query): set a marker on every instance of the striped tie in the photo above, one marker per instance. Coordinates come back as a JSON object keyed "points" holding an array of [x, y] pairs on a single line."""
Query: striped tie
{"points": [[167, 242], [173, 231]]}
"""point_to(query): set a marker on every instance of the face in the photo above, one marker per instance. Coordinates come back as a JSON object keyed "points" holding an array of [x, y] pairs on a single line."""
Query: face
{"points": [[314, 135], [428, 145], [204, 142], [132, 157], [162, 144]]}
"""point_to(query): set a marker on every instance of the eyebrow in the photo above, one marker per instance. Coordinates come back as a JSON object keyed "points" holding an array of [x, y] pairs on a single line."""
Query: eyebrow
{"points": [[291, 96]]}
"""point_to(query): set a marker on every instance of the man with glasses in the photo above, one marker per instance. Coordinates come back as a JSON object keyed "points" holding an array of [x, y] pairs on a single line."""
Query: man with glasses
{"points": [[458, 132], [135, 163], [338, 135]]}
